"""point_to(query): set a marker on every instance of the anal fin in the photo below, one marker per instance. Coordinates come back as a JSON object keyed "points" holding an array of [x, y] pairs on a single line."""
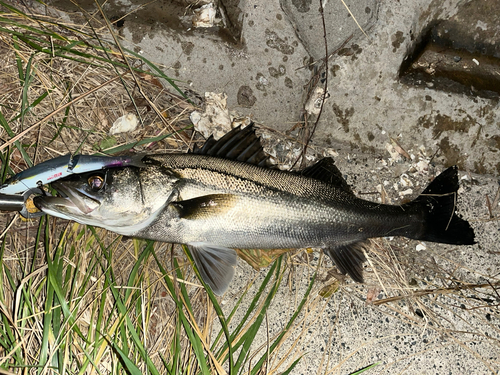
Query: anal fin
{"points": [[216, 264], [349, 259]]}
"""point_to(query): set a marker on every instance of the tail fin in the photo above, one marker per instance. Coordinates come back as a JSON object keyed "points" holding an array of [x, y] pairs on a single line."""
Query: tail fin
{"points": [[442, 224]]}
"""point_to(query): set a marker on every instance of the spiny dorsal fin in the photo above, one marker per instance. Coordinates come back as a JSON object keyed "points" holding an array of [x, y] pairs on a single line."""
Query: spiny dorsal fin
{"points": [[239, 144], [349, 259], [325, 170], [201, 150], [215, 263]]}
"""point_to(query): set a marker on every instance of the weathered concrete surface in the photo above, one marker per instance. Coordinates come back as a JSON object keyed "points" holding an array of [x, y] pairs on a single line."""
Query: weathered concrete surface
{"points": [[340, 25], [460, 54], [456, 71], [368, 103], [261, 72], [265, 76], [475, 27]]}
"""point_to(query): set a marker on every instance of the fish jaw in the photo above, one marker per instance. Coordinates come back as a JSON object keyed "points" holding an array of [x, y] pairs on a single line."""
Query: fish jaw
{"points": [[71, 203], [60, 207], [120, 222]]}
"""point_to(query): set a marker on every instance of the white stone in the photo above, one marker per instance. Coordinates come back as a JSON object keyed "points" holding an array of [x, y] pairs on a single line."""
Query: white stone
{"points": [[125, 124]]}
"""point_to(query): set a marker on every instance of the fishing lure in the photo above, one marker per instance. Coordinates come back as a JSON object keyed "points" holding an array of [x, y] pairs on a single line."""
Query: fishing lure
{"points": [[17, 190]]}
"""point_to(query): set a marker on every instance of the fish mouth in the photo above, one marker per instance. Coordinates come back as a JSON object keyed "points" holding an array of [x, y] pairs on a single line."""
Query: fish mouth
{"points": [[70, 200]]}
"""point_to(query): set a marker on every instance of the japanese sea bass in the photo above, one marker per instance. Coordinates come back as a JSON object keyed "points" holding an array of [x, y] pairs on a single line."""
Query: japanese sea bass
{"points": [[222, 197]]}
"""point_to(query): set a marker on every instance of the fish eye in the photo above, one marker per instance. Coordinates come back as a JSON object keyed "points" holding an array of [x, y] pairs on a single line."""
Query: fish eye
{"points": [[96, 183]]}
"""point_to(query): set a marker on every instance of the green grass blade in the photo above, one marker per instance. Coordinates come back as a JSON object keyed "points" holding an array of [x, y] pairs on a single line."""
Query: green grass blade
{"points": [[159, 72], [128, 326], [5, 125], [292, 366], [5, 169], [8, 338], [216, 306], [193, 338], [249, 336], [276, 342], [130, 146], [127, 363], [26, 82], [61, 50], [19, 61], [47, 335], [58, 288], [250, 310], [365, 369]]}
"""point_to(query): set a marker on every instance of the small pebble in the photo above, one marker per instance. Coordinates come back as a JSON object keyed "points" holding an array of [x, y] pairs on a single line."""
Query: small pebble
{"points": [[421, 246]]}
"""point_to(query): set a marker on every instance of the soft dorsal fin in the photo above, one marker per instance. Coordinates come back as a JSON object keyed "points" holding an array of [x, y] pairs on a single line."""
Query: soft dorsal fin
{"points": [[239, 144], [325, 170], [215, 263]]}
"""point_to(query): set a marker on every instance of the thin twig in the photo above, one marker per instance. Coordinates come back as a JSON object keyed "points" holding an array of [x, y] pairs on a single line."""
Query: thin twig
{"points": [[323, 98], [354, 18], [425, 292], [6, 230]]}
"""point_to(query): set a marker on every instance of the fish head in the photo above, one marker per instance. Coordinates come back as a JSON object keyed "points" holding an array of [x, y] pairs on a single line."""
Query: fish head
{"points": [[119, 199]]}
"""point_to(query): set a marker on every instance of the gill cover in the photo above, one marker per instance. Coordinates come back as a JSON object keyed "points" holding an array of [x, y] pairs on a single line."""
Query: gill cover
{"points": [[118, 199]]}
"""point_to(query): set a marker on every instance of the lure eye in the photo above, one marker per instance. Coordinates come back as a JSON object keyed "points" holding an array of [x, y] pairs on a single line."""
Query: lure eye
{"points": [[96, 183]]}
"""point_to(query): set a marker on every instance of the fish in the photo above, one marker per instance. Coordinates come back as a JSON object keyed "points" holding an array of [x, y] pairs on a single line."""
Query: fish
{"points": [[227, 195]]}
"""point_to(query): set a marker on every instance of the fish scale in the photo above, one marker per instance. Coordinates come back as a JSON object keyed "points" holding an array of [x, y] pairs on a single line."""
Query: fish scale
{"points": [[273, 218]]}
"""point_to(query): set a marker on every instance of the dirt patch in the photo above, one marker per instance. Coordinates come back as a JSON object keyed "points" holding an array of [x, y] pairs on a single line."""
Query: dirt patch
{"points": [[275, 42], [246, 98], [451, 153], [494, 143], [343, 116], [441, 123], [397, 40], [275, 73]]}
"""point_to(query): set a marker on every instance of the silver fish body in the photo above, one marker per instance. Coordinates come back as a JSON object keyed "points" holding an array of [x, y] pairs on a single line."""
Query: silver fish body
{"points": [[239, 205], [214, 204]]}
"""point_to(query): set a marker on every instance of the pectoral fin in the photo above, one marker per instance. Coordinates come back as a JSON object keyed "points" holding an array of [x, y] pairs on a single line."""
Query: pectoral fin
{"points": [[349, 259], [215, 264], [204, 206]]}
